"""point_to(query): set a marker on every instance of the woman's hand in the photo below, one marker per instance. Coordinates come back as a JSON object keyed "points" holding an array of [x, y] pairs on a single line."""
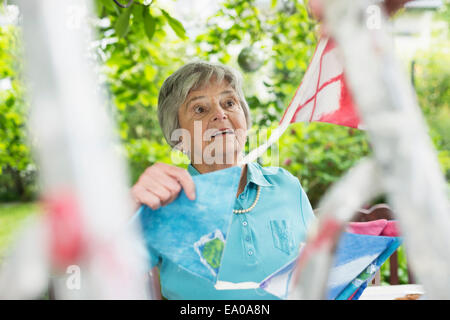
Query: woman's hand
{"points": [[160, 184]]}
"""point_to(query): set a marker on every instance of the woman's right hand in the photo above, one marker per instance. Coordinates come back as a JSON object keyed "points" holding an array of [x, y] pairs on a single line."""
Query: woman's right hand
{"points": [[160, 184]]}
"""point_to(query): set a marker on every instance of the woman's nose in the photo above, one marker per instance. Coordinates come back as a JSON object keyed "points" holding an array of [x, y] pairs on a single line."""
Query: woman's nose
{"points": [[219, 114]]}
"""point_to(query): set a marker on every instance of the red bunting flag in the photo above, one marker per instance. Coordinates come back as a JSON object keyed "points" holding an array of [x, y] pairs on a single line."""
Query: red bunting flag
{"points": [[323, 94]]}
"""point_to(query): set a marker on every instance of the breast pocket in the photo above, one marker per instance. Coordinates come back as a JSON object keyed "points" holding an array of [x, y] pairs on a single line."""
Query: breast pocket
{"points": [[282, 236]]}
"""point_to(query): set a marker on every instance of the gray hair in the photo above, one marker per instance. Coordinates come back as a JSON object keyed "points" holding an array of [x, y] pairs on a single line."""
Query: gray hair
{"points": [[193, 76]]}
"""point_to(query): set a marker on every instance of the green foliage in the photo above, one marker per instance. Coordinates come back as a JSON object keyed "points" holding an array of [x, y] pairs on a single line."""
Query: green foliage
{"points": [[123, 22], [149, 24], [175, 25], [402, 268], [432, 82], [17, 175], [318, 154], [137, 15], [11, 217]]}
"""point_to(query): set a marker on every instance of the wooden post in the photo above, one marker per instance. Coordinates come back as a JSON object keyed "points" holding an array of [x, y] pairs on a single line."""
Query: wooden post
{"points": [[393, 268]]}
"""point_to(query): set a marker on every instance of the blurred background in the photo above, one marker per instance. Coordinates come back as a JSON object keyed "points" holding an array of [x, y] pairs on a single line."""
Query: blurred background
{"points": [[270, 41]]}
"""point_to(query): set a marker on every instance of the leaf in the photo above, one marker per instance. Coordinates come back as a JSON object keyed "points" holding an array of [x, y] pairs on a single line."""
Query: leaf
{"points": [[109, 4], [175, 25], [149, 24], [137, 12], [123, 21], [98, 7]]}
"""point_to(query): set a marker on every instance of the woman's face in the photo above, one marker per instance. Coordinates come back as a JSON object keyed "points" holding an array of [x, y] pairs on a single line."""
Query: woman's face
{"points": [[216, 124]]}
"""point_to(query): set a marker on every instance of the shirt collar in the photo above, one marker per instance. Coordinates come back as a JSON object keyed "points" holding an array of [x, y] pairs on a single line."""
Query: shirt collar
{"points": [[254, 174]]}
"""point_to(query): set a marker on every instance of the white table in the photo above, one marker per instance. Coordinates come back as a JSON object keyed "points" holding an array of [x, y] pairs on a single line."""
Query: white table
{"points": [[391, 292]]}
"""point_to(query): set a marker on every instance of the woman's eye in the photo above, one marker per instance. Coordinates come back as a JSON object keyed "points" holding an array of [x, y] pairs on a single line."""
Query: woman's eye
{"points": [[230, 103], [199, 109]]}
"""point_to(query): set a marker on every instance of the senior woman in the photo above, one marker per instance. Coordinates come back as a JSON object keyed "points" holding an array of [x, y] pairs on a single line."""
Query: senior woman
{"points": [[271, 212]]}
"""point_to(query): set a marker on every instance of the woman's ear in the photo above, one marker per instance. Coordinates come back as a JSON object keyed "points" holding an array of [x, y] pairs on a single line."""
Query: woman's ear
{"points": [[184, 141], [180, 146], [183, 147], [182, 136]]}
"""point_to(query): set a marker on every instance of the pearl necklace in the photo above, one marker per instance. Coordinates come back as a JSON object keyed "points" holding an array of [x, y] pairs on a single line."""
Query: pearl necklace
{"points": [[258, 192]]}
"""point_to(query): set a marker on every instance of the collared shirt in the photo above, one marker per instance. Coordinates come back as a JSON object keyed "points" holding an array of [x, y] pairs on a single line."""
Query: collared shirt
{"points": [[258, 242]]}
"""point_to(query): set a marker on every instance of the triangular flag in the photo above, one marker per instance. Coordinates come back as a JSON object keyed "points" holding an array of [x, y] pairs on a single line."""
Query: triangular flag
{"points": [[358, 257], [193, 233], [323, 94]]}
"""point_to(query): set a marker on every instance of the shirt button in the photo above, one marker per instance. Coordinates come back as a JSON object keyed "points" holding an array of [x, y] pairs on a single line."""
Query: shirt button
{"points": [[247, 238], [250, 252], [241, 196], [244, 223]]}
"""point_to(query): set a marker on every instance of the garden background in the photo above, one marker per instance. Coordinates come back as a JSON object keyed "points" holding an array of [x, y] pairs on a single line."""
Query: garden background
{"points": [[270, 42]]}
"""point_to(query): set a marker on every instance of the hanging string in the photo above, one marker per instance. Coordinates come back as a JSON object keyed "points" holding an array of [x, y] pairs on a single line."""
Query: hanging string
{"points": [[124, 5]]}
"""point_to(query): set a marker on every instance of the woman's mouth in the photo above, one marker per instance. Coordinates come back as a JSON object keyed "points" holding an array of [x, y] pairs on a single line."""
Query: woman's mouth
{"points": [[222, 132]]}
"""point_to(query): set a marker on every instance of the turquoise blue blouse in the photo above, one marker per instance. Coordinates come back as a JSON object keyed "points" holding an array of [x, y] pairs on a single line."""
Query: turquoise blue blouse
{"points": [[258, 242]]}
